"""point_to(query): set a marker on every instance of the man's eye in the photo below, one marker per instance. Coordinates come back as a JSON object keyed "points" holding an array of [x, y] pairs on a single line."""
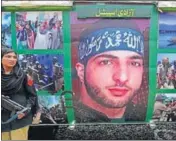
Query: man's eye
{"points": [[105, 62], [136, 64]]}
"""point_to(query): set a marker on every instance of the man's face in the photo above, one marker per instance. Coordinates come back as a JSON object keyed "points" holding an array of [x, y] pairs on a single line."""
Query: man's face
{"points": [[111, 78], [165, 60], [9, 60]]}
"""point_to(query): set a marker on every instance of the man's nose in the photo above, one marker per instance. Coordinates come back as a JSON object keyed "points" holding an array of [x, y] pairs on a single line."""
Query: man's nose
{"points": [[121, 75]]}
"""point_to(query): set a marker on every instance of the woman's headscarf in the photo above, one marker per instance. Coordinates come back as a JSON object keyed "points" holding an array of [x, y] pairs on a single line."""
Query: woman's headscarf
{"points": [[11, 83]]}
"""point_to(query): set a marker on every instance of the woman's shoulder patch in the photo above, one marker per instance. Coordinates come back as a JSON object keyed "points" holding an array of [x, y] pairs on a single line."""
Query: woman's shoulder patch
{"points": [[29, 80]]}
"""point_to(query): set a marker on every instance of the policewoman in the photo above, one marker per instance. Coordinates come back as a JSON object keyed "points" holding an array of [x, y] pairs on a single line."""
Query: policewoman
{"points": [[17, 85]]}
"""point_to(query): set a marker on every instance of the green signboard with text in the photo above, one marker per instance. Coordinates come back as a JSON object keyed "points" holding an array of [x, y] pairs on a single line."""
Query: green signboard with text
{"points": [[113, 11]]}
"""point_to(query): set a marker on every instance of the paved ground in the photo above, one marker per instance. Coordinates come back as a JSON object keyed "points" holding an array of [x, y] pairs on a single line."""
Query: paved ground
{"points": [[166, 131]]}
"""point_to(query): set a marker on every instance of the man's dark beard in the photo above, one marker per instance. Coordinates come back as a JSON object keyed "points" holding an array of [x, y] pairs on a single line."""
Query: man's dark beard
{"points": [[94, 92]]}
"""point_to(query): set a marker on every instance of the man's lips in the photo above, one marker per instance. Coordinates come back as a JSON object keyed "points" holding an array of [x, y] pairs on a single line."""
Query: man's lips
{"points": [[118, 91]]}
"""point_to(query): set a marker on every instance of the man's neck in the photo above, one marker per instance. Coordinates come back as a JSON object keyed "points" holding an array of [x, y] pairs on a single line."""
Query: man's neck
{"points": [[111, 113]]}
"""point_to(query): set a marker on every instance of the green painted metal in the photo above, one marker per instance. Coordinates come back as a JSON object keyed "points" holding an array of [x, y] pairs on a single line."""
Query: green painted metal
{"points": [[168, 9], [40, 51], [153, 38], [166, 50], [36, 8], [13, 29], [67, 65], [113, 11], [166, 90]]}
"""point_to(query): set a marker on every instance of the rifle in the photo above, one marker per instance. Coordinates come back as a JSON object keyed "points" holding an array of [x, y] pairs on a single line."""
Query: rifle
{"points": [[46, 111], [13, 107], [47, 114]]}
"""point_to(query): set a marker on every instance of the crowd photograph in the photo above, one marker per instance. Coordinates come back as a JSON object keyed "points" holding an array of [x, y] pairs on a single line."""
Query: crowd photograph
{"points": [[165, 108], [166, 71], [6, 39], [45, 70], [52, 109], [39, 30]]}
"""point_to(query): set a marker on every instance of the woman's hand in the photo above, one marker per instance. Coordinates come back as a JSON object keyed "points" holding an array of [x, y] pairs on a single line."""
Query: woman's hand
{"points": [[36, 119], [21, 115]]}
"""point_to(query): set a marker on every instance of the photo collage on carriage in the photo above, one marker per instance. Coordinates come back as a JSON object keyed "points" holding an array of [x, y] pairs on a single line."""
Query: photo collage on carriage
{"points": [[164, 109], [166, 62], [40, 31]]}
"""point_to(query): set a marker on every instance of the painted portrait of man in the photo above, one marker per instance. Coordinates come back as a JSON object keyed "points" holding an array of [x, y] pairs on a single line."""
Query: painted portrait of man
{"points": [[112, 70]]}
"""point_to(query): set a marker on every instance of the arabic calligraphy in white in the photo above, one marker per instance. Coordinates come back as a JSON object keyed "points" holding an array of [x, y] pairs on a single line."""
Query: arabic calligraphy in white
{"points": [[111, 39]]}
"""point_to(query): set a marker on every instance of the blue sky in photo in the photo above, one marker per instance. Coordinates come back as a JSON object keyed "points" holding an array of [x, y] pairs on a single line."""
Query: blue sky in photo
{"points": [[167, 18], [169, 95], [171, 56], [49, 101], [6, 18]]}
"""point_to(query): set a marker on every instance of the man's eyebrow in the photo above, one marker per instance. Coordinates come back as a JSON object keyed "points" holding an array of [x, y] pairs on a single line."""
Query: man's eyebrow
{"points": [[136, 57], [115, 57], [106, 56]]}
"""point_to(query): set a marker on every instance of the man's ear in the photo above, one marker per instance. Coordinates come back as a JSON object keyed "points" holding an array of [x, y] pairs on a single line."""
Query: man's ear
{"points": [[80, 71]]}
